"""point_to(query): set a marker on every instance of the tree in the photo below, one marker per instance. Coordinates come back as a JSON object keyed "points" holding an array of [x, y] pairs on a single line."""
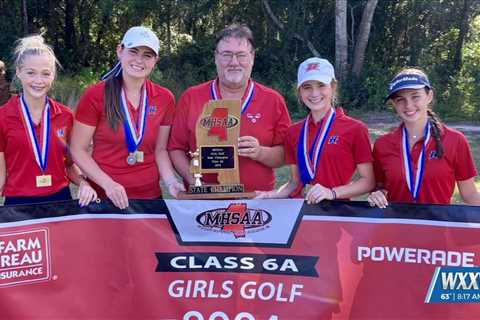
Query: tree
{"points": [[363, 35], [341, 40]]}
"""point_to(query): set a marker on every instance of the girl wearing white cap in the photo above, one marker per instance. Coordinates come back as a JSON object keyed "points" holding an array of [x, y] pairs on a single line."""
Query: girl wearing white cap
{"points": [[325, 149], [128, 117], [422, 159], [35, 165]]}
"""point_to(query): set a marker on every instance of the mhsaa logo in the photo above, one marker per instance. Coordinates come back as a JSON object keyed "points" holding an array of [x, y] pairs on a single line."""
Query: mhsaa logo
{"points": [[219, 122], [237, 218], [24, 257]]}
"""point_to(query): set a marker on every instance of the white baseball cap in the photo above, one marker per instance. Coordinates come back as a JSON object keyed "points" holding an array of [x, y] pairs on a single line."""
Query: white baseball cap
{"points": [[315, 69], [141, 36]]}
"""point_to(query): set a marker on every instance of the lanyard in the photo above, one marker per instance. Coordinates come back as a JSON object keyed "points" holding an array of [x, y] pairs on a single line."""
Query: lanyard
{"points": [[40, 152], [414, 179], [134, 133], [308, 159], [246, 102]]}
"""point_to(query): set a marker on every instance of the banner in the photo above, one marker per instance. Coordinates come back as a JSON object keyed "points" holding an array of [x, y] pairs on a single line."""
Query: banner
{"points": [[242, 260]]}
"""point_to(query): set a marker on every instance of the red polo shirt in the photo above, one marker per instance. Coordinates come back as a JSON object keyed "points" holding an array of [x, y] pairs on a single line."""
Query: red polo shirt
{"points": [[110, 152], [346, 146], [439, 175], [21, 165], [266, 118]]}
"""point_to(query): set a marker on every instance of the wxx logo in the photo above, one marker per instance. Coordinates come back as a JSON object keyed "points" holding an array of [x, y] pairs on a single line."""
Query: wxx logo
{"points": [[24, 257], [455, 285], [237, 218]]}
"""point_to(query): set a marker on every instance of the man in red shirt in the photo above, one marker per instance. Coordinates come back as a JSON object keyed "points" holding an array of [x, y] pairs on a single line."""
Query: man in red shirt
{"points": [[264, 118]]}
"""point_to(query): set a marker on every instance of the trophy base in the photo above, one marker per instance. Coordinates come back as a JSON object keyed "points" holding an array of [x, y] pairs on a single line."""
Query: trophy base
{"points": [[216, 191]]}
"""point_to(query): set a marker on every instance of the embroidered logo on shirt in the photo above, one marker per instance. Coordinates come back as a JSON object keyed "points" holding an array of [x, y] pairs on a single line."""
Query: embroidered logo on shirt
{"points": [[61, 133], [152, 110], [433, 155], [253, 117], [333, 140]]}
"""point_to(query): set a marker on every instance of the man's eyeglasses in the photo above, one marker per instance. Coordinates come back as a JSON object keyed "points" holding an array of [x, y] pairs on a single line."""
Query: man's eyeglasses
{"points": [[227, 56]]}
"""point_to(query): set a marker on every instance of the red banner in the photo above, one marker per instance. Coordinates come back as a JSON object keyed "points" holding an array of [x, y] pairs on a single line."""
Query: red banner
{"points": [[196, 260]]}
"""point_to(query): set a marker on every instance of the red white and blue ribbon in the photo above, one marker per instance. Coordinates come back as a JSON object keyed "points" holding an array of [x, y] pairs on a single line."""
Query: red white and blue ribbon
{"points": [[40, 152], [414, 179], [308, 160], [248, 98], [134, 132]]}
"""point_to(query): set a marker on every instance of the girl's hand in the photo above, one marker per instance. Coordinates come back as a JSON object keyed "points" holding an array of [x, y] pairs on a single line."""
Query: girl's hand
{"points": [[175, 187], [117, 194], [86, 194], [378, 198], [318, 193]]}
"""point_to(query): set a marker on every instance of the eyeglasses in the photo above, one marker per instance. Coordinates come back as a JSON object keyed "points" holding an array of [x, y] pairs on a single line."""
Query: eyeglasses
{"points": [[227, 56]]}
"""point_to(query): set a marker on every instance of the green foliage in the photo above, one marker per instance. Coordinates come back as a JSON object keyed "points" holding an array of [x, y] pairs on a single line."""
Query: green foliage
{"points": [[67, 89], [421, 33]]}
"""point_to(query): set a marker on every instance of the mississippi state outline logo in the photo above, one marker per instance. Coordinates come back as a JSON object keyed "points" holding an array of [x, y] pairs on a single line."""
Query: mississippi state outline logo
{"points": [[236, 218], [24, 257]]}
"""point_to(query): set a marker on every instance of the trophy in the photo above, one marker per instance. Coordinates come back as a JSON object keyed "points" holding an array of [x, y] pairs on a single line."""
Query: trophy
{"points": [[217, 132]]}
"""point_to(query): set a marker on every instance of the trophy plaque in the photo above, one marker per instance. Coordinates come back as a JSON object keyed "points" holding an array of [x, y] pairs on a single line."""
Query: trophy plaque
{"points": [[217, 132]]}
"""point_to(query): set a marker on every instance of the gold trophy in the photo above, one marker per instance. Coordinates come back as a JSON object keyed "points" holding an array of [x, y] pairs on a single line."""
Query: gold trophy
{"points": [[217, 132]]}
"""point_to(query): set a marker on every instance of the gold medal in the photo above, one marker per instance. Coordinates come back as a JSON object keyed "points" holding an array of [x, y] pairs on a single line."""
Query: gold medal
{"points": [[131, 159], [44, 180], [139, 156]]}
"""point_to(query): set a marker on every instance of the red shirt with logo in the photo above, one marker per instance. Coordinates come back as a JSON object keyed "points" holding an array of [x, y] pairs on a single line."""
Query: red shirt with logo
{"points": [[346, 146], [266, 119], [110, 152], [22, 168], [440, 173]]}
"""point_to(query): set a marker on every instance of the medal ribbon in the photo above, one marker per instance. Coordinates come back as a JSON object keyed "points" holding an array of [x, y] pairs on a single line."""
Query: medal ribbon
{"points": [[308, 160], [246, 102], [414, 180], [41, 153], [134, 133]]}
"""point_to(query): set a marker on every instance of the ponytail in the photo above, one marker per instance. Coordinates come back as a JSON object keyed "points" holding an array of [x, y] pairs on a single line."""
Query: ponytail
{"points": [[113, 111], [436, 130]]}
